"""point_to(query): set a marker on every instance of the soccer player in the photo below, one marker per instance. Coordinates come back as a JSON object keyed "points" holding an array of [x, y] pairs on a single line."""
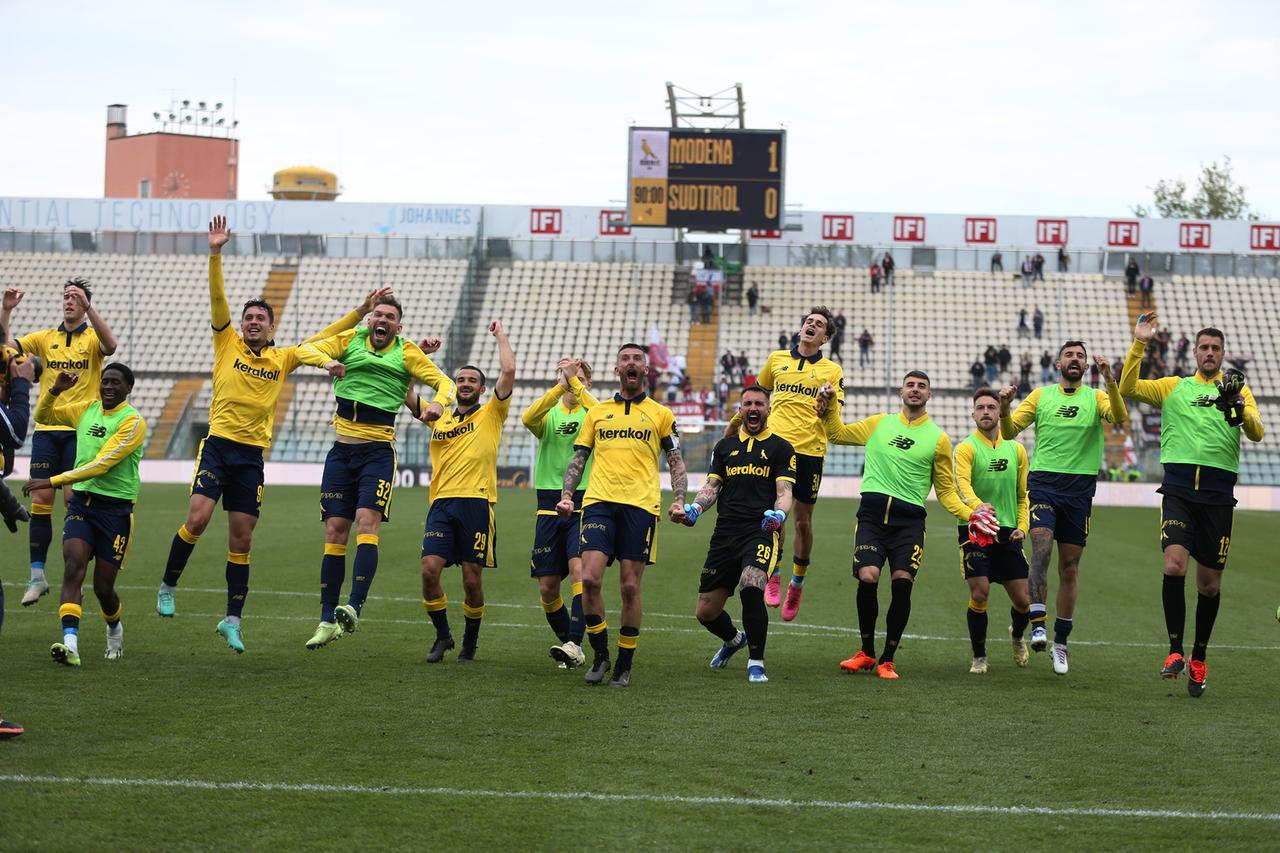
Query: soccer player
{"points": [[464, 488], [249, 372], [793, 377], [1062, 480], [556, 419], [99, 523], [993, 471], [623, 437], [1200, 450], [372, 367], [752, 476], [79, 344], [905, 456]]}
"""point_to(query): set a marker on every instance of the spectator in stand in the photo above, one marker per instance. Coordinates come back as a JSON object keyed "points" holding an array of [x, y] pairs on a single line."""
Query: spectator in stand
{"points": [[708, 258], [693, 304], [1162, 338], [1024, 368], [795, 339], [1146, 285], [837, 340], [741, 363], [997, 262], [875, 277], [1028, 270], [1064, 260], [674, 378], [1037, 321], [1131, 277], [991, 358], [887, 264], [753, 297], [865, 343], [1024, 387], [705, 301], [748, 379], [1006, 358], [976, 372], [723, 389], [653, 375], [728, 364], [1180, 363], [1046, 368], [686, 388], [1093, 375], [1024, 331], [1038, 266], [784, 341]]}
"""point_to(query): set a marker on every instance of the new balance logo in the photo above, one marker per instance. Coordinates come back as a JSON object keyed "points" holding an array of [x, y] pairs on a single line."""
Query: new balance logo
{"points": [[1204, 401], [568, 428], [998, 465], [902, 442], [1068, 411], [98, 431]]}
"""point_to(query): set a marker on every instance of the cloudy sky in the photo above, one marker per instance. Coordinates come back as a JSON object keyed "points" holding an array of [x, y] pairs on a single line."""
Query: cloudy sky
{"points": [[1003, 107]]}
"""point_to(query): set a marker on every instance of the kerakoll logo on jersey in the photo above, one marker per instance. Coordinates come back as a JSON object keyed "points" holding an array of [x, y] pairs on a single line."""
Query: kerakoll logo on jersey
{"points": [[256, 372]]}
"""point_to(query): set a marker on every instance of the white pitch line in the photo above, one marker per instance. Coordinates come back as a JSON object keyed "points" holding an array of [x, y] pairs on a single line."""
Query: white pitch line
{"points": [[662, 799], [783, 629]]}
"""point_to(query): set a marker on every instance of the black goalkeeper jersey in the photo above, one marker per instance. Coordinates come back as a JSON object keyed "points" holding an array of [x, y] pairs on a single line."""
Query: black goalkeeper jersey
{"points": [[749, 468]]}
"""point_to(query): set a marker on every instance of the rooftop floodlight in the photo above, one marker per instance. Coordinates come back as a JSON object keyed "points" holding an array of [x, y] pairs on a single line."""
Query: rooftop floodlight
{"points": [[200, 105], [186, 103], [156, 116], [218, 105]]}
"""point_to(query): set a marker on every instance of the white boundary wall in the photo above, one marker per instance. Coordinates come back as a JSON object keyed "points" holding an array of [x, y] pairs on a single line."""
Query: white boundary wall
{"points": [[976, 231]]}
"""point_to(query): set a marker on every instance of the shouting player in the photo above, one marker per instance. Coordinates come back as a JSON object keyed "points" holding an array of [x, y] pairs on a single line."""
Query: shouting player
{"points": [[556, 419], [249, 372], [78, 345], [464, 488], [105, 482], [992, 470], [1201, 419], [624, 437], [1062, 480], [752, 476], [793, 377]]}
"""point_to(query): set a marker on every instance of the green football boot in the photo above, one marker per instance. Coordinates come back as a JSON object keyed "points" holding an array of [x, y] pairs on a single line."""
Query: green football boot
{"points": [[164, 603], [63, 654], [347, 618], [326, 633], [230, 632]]}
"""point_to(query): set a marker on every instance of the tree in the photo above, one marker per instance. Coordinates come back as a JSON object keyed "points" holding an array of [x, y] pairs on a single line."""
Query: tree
{"points": [[1217, 197]]}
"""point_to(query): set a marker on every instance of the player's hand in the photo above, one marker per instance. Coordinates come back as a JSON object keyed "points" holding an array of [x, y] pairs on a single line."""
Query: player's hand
{"points": [[218, 235], [432, 413], [495, 329], [562, 372], [986, 508], [63, 381], [35, 486], [22, 368], [983, 528], [564, 508], [773, 520], [77, 295], [823, 400], [1104, 367], [676, 513], [1148, 322], [336, 369], [12, 296], [690, 512], [1006, 394], [1017, 535], [372, 300], [430, 345]]}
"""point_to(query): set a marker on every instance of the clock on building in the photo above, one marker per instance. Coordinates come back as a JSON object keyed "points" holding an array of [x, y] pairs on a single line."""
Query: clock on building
{"points": [[175, 184]]}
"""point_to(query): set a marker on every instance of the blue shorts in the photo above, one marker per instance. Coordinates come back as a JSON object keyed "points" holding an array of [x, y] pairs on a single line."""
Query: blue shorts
{"points": [[620, 530], [53, 452], [1066, 516], [230, 471], [105, 523], [357, 476], [556, 541], [461, 531], [1000, 562]]}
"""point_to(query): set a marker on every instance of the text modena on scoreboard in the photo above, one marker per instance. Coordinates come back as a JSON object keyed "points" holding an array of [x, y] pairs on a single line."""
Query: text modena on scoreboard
{"points": [[706, 180]]}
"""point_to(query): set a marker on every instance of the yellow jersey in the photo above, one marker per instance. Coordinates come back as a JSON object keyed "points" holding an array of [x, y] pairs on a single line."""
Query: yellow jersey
{"points": [[625, 438], [75, 350], [247, 386], [464, 451], [793, 381]]}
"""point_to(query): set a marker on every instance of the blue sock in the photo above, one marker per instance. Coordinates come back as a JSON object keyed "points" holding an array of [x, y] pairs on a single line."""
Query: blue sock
{"points": [[365, 567], [1061, 630], [577, 626], [237, 583], [333, 571]]}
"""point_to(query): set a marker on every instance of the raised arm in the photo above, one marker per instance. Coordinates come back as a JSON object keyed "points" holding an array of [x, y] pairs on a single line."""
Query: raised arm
{"points": [[12, 296], [54, 413], [1111, 407], [856, 433], [944, 481], [425, 371], [352, 318], [1150, 391], [536, 415], [506, 362], [1022, 417], [326, 352], [219, 311]]}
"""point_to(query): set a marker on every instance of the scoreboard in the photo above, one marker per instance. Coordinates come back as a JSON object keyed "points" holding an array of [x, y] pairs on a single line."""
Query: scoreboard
{"points": [[706, 180]]}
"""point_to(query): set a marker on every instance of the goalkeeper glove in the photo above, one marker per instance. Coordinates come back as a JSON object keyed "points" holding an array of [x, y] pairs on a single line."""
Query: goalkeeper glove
{"points": [[773, 520], [1230, 397], [983, 528], [691, 513]]}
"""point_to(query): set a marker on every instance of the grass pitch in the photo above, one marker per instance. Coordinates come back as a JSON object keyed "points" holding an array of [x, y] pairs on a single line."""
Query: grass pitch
{"points": [[184, 745]]}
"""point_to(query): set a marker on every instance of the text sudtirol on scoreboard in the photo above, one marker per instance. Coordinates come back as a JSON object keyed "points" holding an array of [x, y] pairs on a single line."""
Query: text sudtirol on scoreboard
{"points": [[706, 180]]}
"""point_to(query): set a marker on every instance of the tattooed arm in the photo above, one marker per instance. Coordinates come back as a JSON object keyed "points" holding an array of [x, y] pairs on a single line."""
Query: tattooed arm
{"points": [[679, 477], [572, 476]]}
